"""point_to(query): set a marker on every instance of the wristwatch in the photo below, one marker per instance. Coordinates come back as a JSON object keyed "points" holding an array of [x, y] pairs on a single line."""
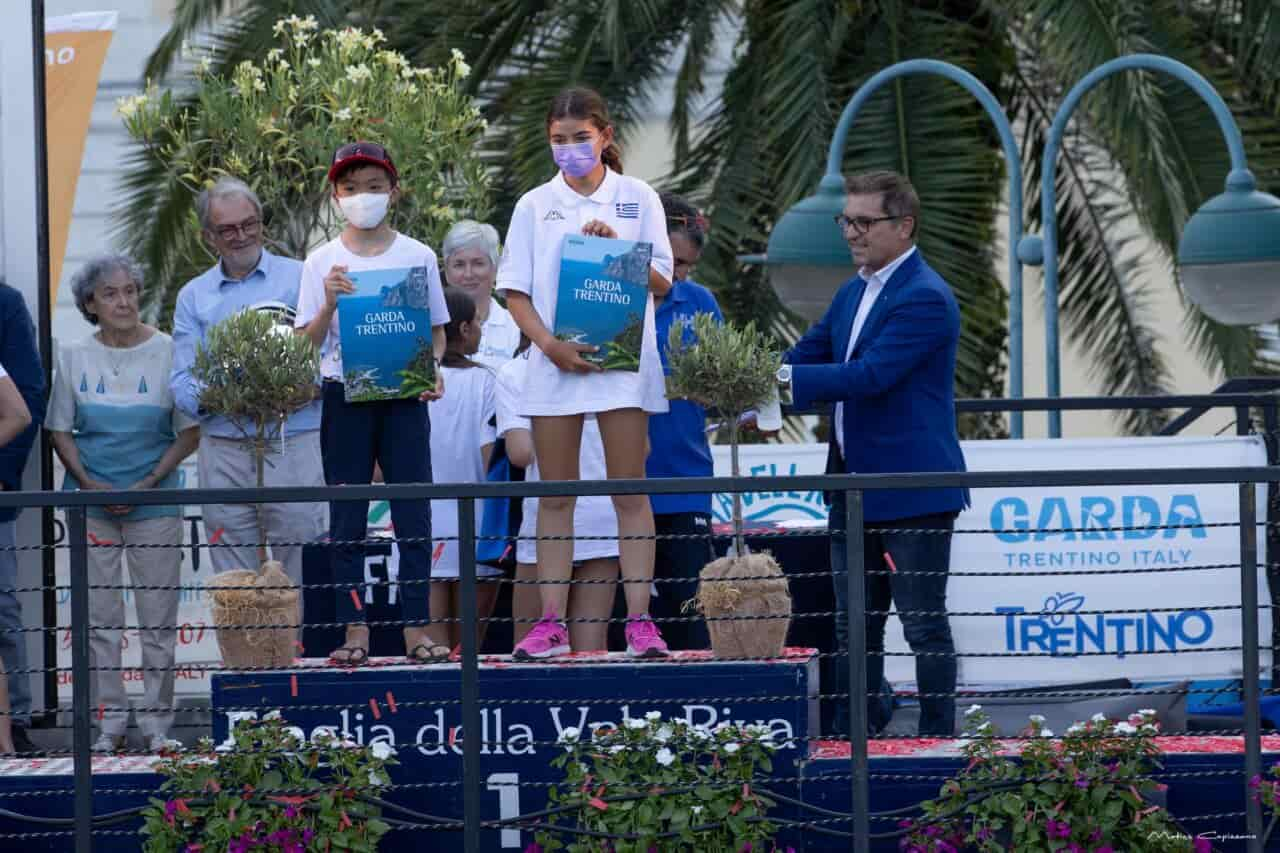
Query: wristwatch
{"points": [[784, 383]]}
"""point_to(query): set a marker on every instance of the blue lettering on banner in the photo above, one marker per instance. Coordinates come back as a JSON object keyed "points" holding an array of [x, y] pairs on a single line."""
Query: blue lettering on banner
{"points": [[1092, 517], [1058, 629], [769, 506]]}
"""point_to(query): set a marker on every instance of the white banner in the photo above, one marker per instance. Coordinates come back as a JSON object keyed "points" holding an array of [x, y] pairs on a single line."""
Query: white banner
{"points": [[1048, 586]]}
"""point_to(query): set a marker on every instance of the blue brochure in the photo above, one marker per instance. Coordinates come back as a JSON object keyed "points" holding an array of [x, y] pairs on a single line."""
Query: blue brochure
{"points": [[386, 335], [604, 286]]}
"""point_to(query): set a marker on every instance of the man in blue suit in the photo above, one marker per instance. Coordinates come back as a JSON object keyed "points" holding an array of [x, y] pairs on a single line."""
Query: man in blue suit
{"points": [[885, 354]]}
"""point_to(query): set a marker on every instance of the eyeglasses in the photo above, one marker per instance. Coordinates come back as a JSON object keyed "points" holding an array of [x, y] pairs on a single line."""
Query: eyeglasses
{"points": [[861, 224], [248, 228]]}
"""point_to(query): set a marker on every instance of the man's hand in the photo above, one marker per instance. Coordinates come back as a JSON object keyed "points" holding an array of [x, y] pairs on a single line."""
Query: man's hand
{"points": [[336, 283], [568, 357], [596, 228]]}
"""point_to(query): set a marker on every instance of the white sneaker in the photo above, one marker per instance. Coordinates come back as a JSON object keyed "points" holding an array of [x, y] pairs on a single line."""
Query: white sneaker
{"points": [[157, 744], [108, 743]]}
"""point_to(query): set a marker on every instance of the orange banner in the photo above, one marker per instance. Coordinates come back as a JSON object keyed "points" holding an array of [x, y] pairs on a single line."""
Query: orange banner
{"points": [[75, 47]]}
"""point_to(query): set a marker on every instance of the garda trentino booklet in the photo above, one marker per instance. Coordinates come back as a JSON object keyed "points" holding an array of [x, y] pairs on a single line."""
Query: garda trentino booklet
{"points": [[604, 286], [386, 335]]}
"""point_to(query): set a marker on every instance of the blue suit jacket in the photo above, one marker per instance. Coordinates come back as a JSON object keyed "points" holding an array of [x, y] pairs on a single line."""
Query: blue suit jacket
{"points": [[897, 388]]}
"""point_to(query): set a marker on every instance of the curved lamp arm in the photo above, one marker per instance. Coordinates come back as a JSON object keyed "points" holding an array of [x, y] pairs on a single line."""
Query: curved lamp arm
{"points": [[1239, 178], [832, 181]]}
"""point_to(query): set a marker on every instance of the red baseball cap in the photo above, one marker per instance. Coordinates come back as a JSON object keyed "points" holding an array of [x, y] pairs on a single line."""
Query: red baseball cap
{"points": [[355, 153]]}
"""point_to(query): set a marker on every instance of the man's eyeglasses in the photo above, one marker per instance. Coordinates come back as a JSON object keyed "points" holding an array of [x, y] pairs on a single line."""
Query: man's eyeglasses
{"points": [[230, 232], [861, 224]]}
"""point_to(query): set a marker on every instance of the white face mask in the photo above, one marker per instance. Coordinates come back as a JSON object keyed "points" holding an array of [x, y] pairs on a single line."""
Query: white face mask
{"points": [[366, 210]]}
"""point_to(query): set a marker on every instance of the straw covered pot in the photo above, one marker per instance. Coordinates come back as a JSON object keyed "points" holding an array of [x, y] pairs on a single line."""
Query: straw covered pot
{"points": [[243, 599], [750, 588]]}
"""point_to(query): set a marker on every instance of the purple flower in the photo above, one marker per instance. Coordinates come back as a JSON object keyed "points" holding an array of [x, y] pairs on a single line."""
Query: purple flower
{"points": [[1082, 782], [1106, 848], [985, 834], [1253, 783], [1202, 845], [534, 847], [1057, 828], [291, 811], [308, 834]]}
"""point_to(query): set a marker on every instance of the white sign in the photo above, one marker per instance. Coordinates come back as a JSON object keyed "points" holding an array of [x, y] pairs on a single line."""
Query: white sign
{"points": [[1041, 590]]}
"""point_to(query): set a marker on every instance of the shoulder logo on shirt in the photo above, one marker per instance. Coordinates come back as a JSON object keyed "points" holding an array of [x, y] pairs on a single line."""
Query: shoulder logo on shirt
{"points": [[627, 209], [553, 216]]}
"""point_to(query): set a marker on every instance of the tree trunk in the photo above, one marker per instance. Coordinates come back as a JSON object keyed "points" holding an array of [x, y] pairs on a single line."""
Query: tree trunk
{"points": [[739, 543], [260, 461]]}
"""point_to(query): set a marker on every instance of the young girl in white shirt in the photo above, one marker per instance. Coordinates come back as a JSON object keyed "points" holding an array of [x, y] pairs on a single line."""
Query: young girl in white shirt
{"points": [[463, 431], [589, 195]]}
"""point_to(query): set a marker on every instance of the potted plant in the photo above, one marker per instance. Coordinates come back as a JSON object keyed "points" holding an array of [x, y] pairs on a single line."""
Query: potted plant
{"points": [[268, 792], [256, 373], [732, 370], [1090, 791], [665, 786]]}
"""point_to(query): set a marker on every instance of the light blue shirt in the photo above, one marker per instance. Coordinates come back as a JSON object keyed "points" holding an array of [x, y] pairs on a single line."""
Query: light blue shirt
{"points": [[207, 300]]}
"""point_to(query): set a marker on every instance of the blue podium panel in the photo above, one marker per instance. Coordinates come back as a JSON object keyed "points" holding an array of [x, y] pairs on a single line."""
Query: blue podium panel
{"points": [[1205, 776], [44, 788], [524, 709]]}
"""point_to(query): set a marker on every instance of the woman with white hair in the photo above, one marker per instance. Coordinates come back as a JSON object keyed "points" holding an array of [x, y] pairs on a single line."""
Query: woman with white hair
{"points": [[470, 255], [114, 426]]}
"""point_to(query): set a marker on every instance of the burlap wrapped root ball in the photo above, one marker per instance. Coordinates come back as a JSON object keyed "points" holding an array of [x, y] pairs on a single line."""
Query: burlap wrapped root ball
{"points": [[246, 598], [752, 586]]}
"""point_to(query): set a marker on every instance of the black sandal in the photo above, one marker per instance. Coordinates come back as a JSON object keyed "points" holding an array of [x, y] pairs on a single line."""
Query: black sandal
{"points": [[431, 655], [356, 656]]}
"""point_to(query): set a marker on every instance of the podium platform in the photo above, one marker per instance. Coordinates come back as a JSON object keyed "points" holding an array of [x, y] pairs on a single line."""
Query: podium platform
{"points": [[416, 709]]}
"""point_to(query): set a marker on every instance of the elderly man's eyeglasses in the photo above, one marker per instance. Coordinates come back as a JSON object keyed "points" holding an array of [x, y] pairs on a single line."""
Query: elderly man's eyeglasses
{"points": [[249, 228], [861, 224]]}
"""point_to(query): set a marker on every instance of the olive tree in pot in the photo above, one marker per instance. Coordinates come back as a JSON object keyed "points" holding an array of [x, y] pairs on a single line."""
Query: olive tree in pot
{"points": [[255, 373], [733, 370]]}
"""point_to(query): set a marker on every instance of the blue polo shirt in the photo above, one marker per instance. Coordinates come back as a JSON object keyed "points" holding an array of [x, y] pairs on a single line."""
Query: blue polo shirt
{"points": [[678, 439], [207, 300]]}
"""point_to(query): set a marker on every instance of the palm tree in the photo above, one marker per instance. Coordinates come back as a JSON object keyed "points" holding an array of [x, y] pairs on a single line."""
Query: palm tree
{"points": [[1140, 148]]}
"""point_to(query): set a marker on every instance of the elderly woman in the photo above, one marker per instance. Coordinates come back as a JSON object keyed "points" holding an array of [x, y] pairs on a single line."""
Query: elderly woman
{"points": [[471, 264], [114, 426], [14, 418]]}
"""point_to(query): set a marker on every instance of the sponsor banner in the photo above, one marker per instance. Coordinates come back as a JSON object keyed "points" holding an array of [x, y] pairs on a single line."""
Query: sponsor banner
{"points": [[75, 47]]}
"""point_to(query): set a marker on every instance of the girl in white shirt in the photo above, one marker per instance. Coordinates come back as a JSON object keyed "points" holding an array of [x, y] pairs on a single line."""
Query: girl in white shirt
{"points": [[594, 560], [591, 196], [463, 431]]}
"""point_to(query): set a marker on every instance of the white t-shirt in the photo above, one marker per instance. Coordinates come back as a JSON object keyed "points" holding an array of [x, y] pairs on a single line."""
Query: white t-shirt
{"points": [[531, 264], [592, 516], [499, 337], [403, 252], [462, 421]]}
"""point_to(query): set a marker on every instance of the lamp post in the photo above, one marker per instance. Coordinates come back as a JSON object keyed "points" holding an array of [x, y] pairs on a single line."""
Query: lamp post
{"points": [[807, 256], [1229, 253]]}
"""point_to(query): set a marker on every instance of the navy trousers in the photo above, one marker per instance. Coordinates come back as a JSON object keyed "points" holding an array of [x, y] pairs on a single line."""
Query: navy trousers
{"points": [[396, 434], [918, 591]]}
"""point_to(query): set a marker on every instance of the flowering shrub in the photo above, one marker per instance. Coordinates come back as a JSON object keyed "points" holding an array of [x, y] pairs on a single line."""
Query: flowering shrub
{"points": [[667, 784], [275, 123], [1266, 790], [266, 793], [1088, 792]]}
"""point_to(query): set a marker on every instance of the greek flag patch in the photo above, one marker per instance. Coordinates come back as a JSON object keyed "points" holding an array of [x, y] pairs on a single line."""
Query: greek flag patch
{"points": [[627, 209]]}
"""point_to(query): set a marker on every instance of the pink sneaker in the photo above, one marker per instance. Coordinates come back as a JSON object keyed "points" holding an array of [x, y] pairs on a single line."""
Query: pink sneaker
{"points": [[643, 639], [548, 639]]}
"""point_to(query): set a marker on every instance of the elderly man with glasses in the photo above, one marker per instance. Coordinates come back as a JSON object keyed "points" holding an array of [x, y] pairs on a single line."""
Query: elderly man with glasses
{"points": [[885, 354], [246, 277]]}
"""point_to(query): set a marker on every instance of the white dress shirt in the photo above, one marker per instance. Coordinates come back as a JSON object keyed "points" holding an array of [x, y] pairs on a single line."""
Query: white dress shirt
{"points": [[873, 291]]}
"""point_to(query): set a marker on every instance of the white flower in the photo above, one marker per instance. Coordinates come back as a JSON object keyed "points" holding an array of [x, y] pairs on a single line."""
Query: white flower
{"points": [[731, 747], [1046, 733], [721, 727], [1099, 718], [274, 54], [971, 710], [1036, 718], [273, 715], [699, 733], [358, 73], [343, 114], [570, 735], [653, 716], [382, 750], [1126, 729], [697, 810], [283, 64], [377, 779], [636, 723], [460, 66], [313, 62], [204, 66], [663, 734], [665, 756], [1147, 712], [616, 748], [259, 86], [1075, 728], [128, 107]]}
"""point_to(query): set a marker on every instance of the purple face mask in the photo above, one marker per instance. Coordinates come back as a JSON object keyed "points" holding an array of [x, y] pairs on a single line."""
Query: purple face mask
{"points": [[576, 159]]}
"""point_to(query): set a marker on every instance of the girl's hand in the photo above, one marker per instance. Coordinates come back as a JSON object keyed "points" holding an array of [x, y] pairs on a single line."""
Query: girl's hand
{"points": [[568, 357], [596, 228]]}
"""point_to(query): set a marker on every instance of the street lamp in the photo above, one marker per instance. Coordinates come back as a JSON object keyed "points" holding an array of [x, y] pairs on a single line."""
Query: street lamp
{"points": [[807, 256], [1229, 253]]}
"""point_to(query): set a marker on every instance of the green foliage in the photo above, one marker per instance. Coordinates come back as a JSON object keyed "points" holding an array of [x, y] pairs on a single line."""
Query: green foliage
{"points": [[724, 367], [623, 352], [255, 372], [654, 776], [275, 120], [268, 791], [1091, 790]]}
